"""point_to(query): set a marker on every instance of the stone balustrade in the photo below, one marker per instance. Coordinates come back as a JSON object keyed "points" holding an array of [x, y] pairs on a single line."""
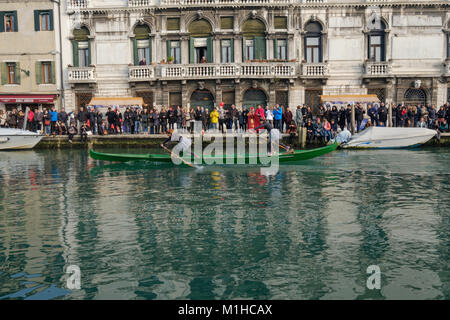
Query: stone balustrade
{"points": [[315, 70], [77, 4], [378, 68], [141, 73], [81, 74], [229, 70], [140, 3]]}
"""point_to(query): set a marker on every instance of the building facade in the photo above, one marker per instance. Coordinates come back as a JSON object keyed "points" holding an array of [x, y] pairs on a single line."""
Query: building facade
{"points": [[29, 56], [248, 52]]}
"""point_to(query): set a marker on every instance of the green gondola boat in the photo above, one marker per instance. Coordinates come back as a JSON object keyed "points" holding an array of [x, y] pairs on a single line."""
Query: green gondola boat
{"points": [[287, 158]]}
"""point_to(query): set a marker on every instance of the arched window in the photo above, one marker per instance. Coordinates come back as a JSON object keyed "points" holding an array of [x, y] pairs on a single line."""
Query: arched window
{"points": [[81, 45], [415, 96], [200, 42], [313, 42], [142, 53], [254, 40], [376, 43], [202, 98]]}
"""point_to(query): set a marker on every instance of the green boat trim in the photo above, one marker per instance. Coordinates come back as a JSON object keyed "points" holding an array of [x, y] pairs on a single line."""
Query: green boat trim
{"points": [[298, 155]]}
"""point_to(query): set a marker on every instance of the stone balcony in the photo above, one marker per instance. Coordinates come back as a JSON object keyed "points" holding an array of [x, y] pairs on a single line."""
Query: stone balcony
{"points": [[82, 75], [228, 70], [141, 73], [141, 3], [377, 69], [315, 70], [185, 3], [77, 4]]}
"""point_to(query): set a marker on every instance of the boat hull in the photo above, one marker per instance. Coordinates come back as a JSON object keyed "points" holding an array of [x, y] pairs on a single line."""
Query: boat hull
{"points": [[11, 139], [390, 138], [298, 155]]}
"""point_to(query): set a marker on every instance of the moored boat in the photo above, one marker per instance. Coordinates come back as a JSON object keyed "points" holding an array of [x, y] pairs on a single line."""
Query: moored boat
{"points": [[296, 156], [16, 139], [389, 138]]}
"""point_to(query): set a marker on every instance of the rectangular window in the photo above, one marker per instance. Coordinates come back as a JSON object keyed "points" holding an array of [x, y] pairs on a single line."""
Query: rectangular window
{"points": [[448, 45], [282, 49], [375, 48], [143, 47], [312, 50], [175, 52], [11, 69], [46, 72], [226, 23], [83, 54], [250, 49], [9, 22], [226, 51], [173, 24], [44, 21]]}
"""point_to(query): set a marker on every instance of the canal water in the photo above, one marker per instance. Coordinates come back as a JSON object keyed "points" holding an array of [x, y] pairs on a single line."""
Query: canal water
{"points": [[309, 232]]}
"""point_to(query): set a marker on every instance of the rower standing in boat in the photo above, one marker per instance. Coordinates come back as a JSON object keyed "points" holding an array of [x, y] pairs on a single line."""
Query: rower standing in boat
{"points": [[184, 142], [274, 136]]}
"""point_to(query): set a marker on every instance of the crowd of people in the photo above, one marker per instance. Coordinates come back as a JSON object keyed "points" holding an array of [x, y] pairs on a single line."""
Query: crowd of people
{"points": [[323, 125]]}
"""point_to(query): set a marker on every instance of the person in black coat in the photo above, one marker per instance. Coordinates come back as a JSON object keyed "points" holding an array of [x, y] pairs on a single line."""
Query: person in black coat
{"points": [[341, 118], [359, 116], [82, 116]]}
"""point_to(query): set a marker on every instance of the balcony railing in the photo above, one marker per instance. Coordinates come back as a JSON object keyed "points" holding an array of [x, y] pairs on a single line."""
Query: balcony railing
{"points": [[377, 69], [228, 2], [141, 73], [315, 70], [230, 70], [77, 4], [81, 74], [141, 3]]}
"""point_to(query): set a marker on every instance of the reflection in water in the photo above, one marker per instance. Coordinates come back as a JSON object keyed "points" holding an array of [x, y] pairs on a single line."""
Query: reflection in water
{"points": [[309, 232]]}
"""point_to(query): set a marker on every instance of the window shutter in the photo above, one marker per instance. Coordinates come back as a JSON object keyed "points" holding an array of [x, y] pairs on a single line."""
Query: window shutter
{"points": [[260, 48], [168, 50], [368, 48], [4, 72], [209, 50], [75, 53], [275, 51], [2, 22], [232, 49], [17, 79], [89, 53], [50, 12], [16, 28], [149, 62], [191, 50], [37, 24], [135, 52], [53, 73], [383, 48], [244, 52], [38, 70], [320, 50]]}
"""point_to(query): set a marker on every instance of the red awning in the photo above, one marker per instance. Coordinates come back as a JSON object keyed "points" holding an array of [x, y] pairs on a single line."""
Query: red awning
{"points": [[32, 98]]}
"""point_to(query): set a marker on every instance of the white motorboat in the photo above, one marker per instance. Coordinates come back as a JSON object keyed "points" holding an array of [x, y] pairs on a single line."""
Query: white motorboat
{"points": [[16, 139], [390, 138]]}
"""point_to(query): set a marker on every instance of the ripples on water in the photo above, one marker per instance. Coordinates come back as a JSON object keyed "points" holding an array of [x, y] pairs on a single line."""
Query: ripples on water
{"points": [[309, 232]]}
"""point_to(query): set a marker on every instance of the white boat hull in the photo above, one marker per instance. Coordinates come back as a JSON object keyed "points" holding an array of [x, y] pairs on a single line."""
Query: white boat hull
{"points": [[13, 139], [390, 138]]}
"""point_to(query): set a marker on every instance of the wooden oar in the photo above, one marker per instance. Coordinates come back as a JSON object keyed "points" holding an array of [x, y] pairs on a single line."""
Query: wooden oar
{"points": [[280, 145], [185, 162]]}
